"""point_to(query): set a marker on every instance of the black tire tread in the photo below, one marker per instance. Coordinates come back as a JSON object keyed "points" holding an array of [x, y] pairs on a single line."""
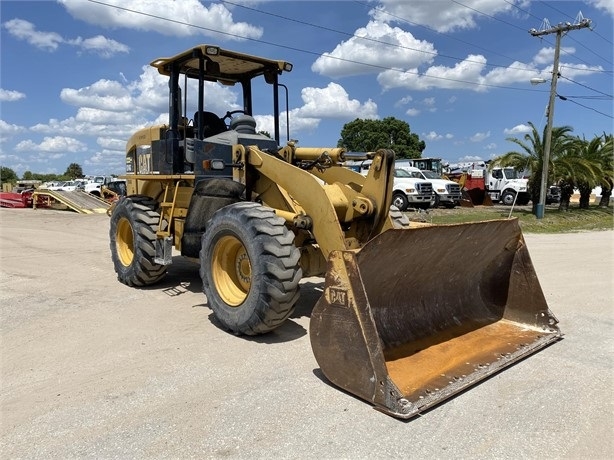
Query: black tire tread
{"points": [[278, 263], [143, 271]]}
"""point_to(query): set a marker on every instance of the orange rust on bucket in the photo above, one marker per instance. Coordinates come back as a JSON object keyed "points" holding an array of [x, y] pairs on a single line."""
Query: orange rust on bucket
{"points": [[418, 315], [457, 354]]}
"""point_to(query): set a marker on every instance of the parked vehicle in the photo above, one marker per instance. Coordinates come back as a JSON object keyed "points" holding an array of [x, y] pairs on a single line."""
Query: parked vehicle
{"points": [[68, 186], [495, 184], [445, 192], [409, 190], [96, 183], [553, 195]]}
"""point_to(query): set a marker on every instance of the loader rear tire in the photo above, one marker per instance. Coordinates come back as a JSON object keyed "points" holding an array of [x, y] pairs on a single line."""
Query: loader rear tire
{"points": [[132, 235], [250, 268]]}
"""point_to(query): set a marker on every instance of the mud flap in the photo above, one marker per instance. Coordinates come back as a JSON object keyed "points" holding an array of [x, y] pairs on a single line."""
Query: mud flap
{"points": [[418, 315]]}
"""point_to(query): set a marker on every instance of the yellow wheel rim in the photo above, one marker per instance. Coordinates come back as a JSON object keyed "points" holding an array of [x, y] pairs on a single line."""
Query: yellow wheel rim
{"points": [[124, 241], [231, 270]]}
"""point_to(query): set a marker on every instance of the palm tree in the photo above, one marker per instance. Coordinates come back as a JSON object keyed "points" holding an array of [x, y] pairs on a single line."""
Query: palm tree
{"points": [[532, 157], [598, 156]]}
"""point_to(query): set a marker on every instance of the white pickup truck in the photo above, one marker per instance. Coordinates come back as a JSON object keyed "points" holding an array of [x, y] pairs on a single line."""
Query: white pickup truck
{"points": [[408, 191], [447, 193]]}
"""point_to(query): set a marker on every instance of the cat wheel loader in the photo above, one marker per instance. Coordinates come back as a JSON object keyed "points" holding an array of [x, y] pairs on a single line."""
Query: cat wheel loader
{"points": [[409, 315]]}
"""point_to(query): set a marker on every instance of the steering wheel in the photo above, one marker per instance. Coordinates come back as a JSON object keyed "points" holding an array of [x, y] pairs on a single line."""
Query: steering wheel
{"points": [[229, 114]]}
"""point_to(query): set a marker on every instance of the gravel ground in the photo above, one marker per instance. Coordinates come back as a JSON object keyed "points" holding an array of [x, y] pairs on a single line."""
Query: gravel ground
{"points": [[93, 369]]}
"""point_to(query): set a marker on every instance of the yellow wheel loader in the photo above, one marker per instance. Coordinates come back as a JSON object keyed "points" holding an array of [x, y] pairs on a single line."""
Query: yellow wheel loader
{"points": [[409, 315]]}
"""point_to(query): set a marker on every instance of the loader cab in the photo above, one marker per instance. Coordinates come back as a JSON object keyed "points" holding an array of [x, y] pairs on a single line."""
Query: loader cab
{"points": [[200, 128]]}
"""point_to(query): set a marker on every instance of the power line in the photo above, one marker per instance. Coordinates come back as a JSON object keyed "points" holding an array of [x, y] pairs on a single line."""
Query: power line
{"points": [[587, 87], [530, 14], [488, 15], [585, 106], [430, 29], [480, 47], [395, 45], [565, 14], [590, 50], [485, 85]]}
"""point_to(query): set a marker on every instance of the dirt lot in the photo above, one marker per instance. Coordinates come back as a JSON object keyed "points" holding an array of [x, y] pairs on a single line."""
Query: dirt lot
{"points": [[93, 369]]}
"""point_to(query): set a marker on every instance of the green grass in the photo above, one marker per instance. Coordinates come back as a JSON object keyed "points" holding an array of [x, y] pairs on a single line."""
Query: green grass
{"points": [[554, 221]]}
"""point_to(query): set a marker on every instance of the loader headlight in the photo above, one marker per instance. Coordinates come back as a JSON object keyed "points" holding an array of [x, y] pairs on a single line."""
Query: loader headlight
{"points": [[215, 165]]}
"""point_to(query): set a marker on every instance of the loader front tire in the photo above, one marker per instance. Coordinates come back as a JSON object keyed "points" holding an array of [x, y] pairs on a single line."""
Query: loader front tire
{"points": [[132, 235], [250, 268]]}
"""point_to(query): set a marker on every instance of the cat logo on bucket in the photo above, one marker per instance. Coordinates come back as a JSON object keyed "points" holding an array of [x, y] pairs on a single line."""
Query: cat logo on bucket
{"points": [[338, 297]]}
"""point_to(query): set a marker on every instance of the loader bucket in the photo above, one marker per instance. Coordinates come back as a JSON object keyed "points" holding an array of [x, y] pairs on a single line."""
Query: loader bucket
{"points": [[418, 315]]}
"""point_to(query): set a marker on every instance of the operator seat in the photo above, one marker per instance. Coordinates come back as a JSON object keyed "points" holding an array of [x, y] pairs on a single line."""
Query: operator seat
{"points": [[212, 123]]}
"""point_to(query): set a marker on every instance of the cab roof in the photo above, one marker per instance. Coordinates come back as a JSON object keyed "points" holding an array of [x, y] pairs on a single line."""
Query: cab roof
{"points": [[233, 66]]}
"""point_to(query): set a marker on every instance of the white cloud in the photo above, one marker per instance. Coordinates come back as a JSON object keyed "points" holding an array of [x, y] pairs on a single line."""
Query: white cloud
{"points": [[105, 47], [98, 116], [471, 74], [465, 74], [51, 41], [432, 136], [412, 112], [10, 96], [57, 144], [112, 144], [175, 18], [546, 55], [8, 130], [518, 129], [441, 17], [470, 158], [24, 30], [334, 102], [103, 94], [331, 102], [368, 52], [403, 101], [606, 5], [479, 137]]}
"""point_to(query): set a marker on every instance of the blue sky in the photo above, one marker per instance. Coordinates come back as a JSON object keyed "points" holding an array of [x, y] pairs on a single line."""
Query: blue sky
{"points": [[75, 78]]}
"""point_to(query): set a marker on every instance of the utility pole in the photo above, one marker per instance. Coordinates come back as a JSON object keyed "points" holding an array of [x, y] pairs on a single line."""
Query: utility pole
{"points": [[559, 30]]}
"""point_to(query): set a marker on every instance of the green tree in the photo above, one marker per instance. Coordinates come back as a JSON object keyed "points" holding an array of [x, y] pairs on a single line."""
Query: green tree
{"points": [[607, 182], [598, 154], [73, 171], [561, 165], [45, 177], [7, 175], [369, 135], [27, 175]]}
